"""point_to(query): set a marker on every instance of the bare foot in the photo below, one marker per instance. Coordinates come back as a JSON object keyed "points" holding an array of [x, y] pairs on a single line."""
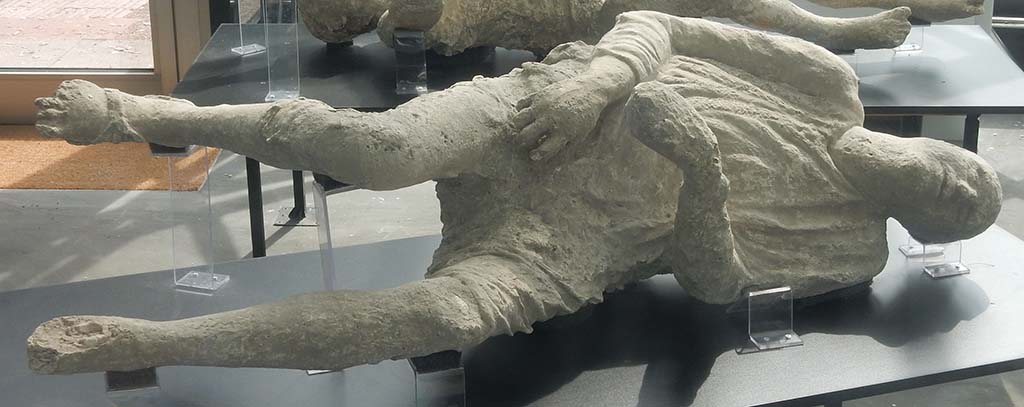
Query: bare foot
{"points": [[887, 29], [943, 10], [78, 344], [77, 113]]}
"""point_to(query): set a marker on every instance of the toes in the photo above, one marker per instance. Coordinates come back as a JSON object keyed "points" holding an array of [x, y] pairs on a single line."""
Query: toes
{"points": [[48, 103], [902, 12], [87, 328], [48, 131], [532, 134], [92, 341]]}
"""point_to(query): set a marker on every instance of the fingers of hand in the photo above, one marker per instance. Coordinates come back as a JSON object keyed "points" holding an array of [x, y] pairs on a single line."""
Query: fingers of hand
{"points": [[549, 146], [525, 102], [47, 103], [48, 131], [531, 134], [524, 118]]}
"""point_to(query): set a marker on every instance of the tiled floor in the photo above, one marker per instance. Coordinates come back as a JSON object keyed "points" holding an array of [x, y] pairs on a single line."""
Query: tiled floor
{"points": [[75, 34]]}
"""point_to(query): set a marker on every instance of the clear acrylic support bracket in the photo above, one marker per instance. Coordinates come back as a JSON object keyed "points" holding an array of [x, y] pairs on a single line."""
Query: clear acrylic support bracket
{"points": [[281, 36], [249, 41], [323, 187], [915, 249], [914, 44], [947, 264], [135, 388], [770, 320], [440, 380], [410, 62], [323, 235], [190, 276]]}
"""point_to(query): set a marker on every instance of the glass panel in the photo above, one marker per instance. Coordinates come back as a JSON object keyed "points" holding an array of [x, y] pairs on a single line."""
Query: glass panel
{"points": [[83, 34]]}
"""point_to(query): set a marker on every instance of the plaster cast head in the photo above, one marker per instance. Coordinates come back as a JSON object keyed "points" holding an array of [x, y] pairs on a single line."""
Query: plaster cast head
{"points": [[938, 191], [339, 21]]}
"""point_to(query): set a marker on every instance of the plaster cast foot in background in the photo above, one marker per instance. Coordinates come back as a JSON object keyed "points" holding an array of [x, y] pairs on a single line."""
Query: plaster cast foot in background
{"points": [[887, 29], [929, 10]]}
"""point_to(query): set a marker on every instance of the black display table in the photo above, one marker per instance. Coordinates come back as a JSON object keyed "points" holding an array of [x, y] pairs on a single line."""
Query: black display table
{"points": [[962, 71], [649, 345]]}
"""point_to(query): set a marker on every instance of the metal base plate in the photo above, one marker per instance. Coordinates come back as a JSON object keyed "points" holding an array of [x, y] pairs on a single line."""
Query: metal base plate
{"points": [[251, 49], [908, 48], [201, 281], [946, 270], [411, 88], [318, 372], [281, 95], [921, 250], [765, 341], [285, 217]]}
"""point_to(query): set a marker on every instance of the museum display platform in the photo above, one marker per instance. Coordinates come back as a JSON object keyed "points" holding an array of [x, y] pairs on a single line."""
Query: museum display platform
{"points": [[962, 71], [647, 345]]}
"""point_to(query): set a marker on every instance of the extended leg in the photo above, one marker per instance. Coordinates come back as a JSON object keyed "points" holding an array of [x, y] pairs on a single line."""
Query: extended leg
{"points": [[704, 259], [459, 307], [930, 10], [413, 143], [883, 30]]}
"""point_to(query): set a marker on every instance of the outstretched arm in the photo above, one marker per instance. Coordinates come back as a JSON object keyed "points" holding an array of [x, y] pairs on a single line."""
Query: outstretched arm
{"points": [[415, 142], [703, 255]]}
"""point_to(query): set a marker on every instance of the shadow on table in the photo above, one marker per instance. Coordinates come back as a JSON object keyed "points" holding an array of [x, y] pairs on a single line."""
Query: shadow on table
{"points": [[679, 339]]}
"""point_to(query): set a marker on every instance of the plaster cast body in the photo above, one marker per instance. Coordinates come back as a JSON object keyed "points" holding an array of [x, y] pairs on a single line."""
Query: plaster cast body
{"points": [[452, 26], [558, 182]]}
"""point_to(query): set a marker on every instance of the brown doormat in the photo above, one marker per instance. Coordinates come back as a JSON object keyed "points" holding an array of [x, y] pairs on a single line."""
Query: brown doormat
{"points": [[29, 161]]}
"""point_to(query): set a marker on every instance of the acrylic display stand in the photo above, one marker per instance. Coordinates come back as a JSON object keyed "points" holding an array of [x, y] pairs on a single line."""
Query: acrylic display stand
{"points": [[191, 275], [440, 380], [770, 320], [915, 41], [247, 12], [280, 18], [323, 187], [134, 388], [948, 261], [873, 61], [914, 249], [410, 62]]}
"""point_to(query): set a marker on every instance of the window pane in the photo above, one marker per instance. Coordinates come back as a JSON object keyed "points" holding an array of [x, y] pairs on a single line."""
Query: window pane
{"points": [[111, 34]]}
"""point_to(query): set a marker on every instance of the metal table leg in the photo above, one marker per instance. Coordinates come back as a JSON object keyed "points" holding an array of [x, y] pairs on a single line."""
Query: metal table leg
{"points": [[299, 211], [255, 191], [971, 129]]}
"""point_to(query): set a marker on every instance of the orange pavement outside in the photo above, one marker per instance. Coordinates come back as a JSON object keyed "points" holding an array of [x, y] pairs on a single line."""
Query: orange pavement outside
{"points": [[29, 161]]}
